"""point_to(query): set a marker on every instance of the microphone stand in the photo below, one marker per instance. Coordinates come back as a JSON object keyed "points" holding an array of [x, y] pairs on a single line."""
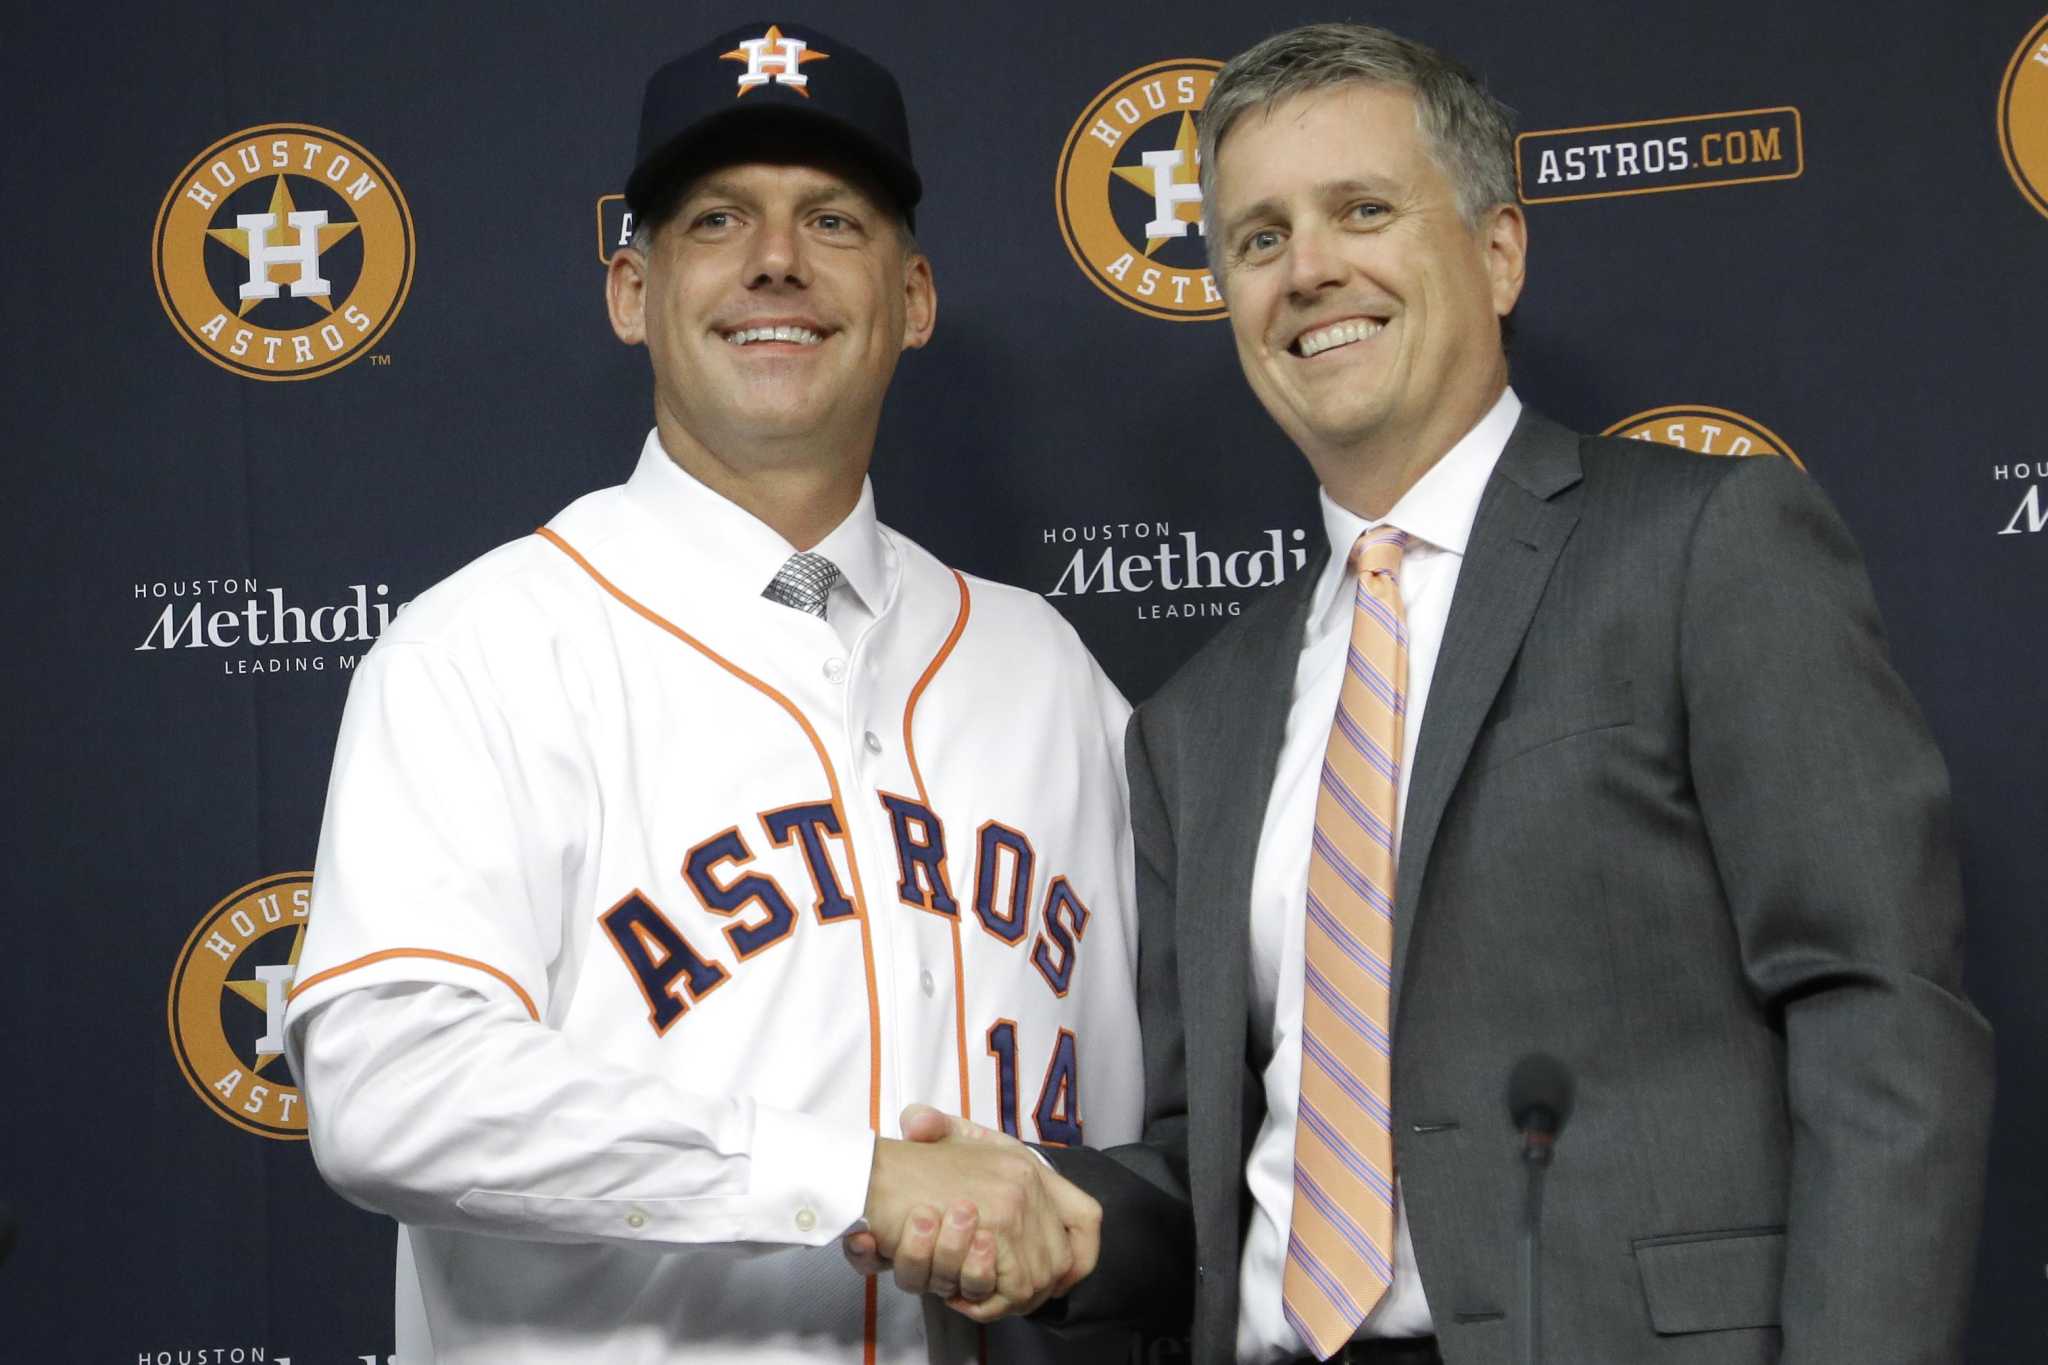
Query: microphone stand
{"points": [[1539, 1101], [1536, 1151]]}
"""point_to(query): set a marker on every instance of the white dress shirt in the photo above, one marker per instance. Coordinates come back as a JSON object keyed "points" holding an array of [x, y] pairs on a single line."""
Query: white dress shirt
{"points": [[867, 569], [1437, 513]]}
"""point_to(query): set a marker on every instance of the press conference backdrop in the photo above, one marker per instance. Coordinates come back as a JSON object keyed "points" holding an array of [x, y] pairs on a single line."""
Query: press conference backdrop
{"points": [[1760, 230]]}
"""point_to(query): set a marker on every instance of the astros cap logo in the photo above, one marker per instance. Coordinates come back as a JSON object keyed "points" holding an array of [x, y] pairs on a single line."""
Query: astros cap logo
{"points": [[773, 57], [1129, 195], [2023, 117], [283, 252], [1706, 430], [227, 1004]]}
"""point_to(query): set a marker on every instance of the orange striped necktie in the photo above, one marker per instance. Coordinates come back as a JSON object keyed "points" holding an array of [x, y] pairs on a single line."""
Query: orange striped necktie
{"points": [[1340, 1249]]}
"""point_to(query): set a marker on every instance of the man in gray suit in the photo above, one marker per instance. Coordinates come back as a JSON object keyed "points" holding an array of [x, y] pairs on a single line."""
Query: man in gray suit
{"points": [[1661, 809]]}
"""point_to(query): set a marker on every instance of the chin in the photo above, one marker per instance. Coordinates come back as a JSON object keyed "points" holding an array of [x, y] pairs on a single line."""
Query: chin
{"points": [[785, 401], [1347, 428], [786, 425]]}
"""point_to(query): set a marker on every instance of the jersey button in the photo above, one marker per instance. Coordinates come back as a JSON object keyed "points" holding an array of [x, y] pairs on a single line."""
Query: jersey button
{"points": [[925, 980], [636, 1220], [806, 1220], [873, 741], [835, 669]]}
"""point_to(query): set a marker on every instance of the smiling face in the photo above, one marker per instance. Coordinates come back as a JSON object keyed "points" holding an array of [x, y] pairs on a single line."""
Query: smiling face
{"points": [[774, 304], [1366, 311]]}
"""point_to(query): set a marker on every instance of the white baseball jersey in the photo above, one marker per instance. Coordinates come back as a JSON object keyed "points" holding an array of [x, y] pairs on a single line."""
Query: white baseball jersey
{"points": [[643, 903]]}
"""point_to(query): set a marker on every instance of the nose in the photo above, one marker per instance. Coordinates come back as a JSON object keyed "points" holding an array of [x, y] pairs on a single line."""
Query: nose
{"points": [[775, 254], [1313, 261]]}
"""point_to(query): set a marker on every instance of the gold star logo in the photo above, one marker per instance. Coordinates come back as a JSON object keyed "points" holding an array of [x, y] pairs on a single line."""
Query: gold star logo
{"points": [[771, 44], [1184, 173], [281, 205], [257, 993]]}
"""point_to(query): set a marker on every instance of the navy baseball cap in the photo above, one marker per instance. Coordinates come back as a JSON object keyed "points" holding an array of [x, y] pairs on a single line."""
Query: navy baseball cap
{"points": [[768, 81]]}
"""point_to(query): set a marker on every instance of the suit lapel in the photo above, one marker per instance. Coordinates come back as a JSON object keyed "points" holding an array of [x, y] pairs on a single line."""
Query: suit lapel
{"points": [[1252, 691], [1516, 539]]}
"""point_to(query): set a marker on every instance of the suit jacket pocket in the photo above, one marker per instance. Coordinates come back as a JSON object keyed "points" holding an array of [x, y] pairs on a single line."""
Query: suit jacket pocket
{"points": [[1712, 1281], [1535, 724]]}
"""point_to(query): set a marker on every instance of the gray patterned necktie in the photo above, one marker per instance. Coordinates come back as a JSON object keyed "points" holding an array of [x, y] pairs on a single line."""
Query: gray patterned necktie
{"points": [[803, 582]]}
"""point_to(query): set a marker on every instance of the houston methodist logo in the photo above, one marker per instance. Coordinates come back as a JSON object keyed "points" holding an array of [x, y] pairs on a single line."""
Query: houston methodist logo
{"points": [[1129, 195], [227, 1005], [2031, 515], [772, 57], [283, 251], [1708, 431], [2023, 117]]}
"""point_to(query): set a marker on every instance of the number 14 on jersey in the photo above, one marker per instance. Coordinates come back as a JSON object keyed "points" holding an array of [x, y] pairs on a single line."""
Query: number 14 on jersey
{"points": [[1057, 1116]]}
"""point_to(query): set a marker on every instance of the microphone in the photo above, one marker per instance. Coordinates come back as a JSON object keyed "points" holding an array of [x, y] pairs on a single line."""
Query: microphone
{"points": [[1539, 1102]]}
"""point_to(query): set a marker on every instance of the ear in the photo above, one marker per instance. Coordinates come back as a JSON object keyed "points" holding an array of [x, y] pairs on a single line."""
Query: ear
{"points": [[1505, 239], [625, 294], [920, 301]]}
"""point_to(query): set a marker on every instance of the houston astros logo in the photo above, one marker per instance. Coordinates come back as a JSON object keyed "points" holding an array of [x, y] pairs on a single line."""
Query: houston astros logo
{"points": [[1129, 194], [227, 1004], [772, 57], [1709, 431], [283, 251], [2023, 117]]}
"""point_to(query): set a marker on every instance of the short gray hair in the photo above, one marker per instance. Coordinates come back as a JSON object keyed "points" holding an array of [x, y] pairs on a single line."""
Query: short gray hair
{"points": [[1469, 132]]}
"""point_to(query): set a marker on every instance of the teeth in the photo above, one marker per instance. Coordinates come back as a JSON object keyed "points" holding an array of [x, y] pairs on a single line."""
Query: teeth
{"points": [[1340, 334], [803, 336]]}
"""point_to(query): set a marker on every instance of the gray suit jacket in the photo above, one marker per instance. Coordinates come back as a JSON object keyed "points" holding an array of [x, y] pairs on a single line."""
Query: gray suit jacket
{"points": [[1673, 819]]}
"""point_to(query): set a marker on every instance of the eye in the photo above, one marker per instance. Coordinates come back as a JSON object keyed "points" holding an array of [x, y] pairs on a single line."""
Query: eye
{"points": [[836, 223], [712, 220], [1260, 244], [1365, 211]]}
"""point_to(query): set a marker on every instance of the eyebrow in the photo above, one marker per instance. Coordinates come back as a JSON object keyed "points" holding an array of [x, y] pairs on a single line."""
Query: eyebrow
{"points": [[836, 191], [711, 187], [1269, 207]]}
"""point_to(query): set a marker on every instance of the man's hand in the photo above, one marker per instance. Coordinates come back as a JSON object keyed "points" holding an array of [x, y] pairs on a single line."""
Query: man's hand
{"points": [[942, 1253], [1038, 1238]]}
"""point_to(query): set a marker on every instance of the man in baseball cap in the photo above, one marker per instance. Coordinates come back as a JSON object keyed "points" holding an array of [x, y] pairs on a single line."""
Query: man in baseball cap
{"points": [[638, 910], [754, 84]]}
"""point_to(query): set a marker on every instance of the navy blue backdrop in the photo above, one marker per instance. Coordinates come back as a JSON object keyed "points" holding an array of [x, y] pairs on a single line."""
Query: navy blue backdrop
{"points": [[1819, 230]]}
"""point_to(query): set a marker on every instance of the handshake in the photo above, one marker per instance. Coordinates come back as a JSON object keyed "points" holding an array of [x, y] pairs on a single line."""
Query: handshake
{"points": [[1013, 1235]]}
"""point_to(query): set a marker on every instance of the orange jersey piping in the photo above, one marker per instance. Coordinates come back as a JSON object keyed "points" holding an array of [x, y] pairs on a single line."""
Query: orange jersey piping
{"points": [[389, 953], [924, 797]]}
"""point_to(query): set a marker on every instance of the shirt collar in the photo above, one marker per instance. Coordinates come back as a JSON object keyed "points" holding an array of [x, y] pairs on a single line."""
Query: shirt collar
{"points": [[743, 549], [855, 545], [1438, 510]]}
